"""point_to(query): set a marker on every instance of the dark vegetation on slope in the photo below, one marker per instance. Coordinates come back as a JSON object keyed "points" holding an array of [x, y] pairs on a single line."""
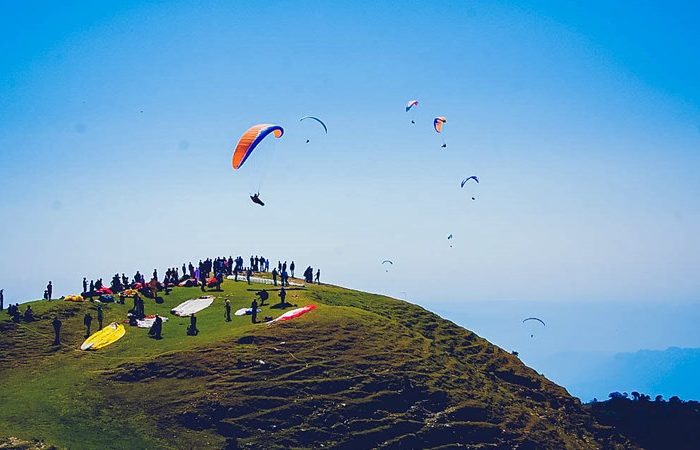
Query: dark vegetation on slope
{"points": [[362, 371], [653, 425]]}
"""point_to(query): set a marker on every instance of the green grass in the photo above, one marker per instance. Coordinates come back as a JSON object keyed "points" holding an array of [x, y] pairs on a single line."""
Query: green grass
{"points": [[360, 371]]}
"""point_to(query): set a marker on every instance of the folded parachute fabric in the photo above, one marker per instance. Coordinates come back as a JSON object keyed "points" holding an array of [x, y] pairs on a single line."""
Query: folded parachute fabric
{"points": [[148, 321], [293, 314], [73, 298]]}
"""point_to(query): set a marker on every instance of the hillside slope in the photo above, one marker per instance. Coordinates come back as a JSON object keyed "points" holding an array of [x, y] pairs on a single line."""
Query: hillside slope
{"points": [[361, 371]]}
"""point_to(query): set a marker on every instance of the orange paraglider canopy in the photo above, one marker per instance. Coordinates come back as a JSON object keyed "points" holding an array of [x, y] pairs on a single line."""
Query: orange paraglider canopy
{"points": [[250, 139]]}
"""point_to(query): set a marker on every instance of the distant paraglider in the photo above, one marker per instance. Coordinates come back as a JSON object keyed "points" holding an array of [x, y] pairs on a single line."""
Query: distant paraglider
{"points": [[387, 261], [250, 139], [409, 105], [449, 238], [438, 124], [473, 177], [325, 128], [534, 319]]}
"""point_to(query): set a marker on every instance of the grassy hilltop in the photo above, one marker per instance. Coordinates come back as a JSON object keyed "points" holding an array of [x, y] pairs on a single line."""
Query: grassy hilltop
{"points": [[361, 371]]}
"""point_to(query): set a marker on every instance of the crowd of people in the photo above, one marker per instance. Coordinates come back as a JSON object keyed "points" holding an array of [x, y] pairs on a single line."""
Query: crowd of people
{"points": [[207, 274]]}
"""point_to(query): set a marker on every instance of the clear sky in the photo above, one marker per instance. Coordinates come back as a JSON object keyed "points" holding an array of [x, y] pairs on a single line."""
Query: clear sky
{"points": [[581, 119]]}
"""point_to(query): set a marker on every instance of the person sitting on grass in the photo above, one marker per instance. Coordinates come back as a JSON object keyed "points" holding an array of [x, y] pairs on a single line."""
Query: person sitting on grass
{"points": [[157, 328], [28, 314]]}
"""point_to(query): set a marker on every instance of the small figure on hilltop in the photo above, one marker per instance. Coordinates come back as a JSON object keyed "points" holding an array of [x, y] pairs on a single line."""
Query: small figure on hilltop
{"points": [[87, 321], [100, 317], [29, 314], [282, 295], [2, 299], [274, 276], [157, 328], [318, 276], [254, 311], [49, 290], [263, 296], [192, 329], [227, 307], [56, 323]]}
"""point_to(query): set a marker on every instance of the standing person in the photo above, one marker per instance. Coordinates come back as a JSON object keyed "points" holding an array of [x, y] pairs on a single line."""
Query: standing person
{"points": [[284, 266], [192, 329], [318, 276], [84, 284], [202, 280], [291, 268], [227, 306], [100, 316], [283, 295], [87, 321], [279, 266], [254, 310], [248, 273], [274, 276], [49, 290], [2, 299], [56, 322], [92, 289]]}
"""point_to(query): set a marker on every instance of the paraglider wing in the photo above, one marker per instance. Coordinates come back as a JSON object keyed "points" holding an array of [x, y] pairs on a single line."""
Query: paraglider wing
{"points": [[411, 104], [449, 237], [325, 128], [250, 139], [438, 123], [473, 177], [387, 261], [536, 319]]}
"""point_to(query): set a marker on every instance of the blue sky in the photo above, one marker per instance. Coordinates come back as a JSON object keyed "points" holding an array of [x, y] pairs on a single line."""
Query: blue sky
{"points": [[118, 119]]}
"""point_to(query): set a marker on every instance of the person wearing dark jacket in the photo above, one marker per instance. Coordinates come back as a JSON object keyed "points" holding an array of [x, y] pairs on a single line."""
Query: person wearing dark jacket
{"points": [[157, 328], [87, 321], [100, 316], [254, 311], [49, 290], [2, 299], [227, 307], [283, 295], [192, 329], [56, 322], [29, 314]]}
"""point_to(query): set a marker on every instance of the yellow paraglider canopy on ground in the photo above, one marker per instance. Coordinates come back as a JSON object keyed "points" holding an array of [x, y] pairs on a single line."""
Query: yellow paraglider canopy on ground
{"points": [[106, 336]]}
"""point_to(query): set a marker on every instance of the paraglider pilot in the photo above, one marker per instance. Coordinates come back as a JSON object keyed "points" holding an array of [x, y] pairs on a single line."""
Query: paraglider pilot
{"points": [[256, 199]]}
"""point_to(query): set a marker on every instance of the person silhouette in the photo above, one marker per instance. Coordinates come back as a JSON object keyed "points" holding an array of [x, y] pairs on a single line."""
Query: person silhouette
{"points": [[56, 322], [256, 199]]}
